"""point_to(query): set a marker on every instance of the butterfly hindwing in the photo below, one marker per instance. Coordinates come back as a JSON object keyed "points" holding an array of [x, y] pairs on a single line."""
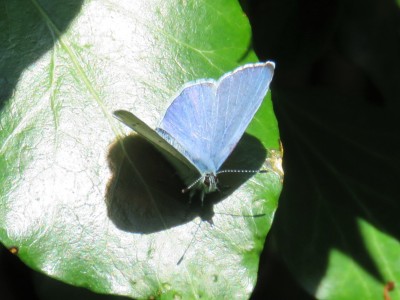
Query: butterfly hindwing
{"points": [[184, 167]]}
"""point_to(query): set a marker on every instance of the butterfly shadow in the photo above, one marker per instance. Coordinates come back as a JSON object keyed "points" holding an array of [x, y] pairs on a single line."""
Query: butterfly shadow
{"points": [[144, 193]]}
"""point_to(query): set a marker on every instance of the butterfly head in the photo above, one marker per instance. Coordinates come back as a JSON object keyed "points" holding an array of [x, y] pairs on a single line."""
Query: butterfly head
{"points": [[209, 182]]}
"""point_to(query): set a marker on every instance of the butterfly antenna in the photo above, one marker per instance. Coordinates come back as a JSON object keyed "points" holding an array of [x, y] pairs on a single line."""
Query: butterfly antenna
{"points": [[188, 188], [242, 171], [187, 247]]}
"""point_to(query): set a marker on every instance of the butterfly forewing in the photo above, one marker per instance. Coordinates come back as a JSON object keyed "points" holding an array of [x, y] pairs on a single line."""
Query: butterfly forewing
{"points": [[188, 121], [239, 95]]}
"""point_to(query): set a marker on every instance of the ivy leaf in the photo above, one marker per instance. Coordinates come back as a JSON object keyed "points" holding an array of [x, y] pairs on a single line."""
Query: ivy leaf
{"points": [[84, 200]]}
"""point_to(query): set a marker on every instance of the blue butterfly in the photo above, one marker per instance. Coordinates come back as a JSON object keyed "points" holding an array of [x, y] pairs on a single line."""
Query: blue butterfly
{"points": [[204, 123]]}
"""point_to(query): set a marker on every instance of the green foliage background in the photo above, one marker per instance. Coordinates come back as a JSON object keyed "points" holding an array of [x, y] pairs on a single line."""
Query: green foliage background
{"points": [[336, 97]]}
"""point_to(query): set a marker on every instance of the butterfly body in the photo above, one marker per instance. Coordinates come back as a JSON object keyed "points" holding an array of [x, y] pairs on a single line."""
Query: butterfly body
{"points": [[205, 121]]}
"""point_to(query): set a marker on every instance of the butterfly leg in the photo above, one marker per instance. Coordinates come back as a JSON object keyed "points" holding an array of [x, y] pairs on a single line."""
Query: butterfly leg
{"points": [[202, 193], [191, 195], [223, 189]]}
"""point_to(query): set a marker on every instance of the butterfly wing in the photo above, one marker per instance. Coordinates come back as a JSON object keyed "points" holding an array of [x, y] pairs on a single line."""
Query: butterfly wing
{"points": [[187, 121], [166, 144], [208, 118], [239, 96]]}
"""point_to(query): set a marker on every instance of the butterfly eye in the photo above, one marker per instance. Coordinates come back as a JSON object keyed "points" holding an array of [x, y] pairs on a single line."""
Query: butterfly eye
{"points": [[207, 180]]}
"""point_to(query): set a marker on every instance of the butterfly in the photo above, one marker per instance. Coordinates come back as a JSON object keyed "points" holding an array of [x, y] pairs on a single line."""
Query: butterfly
{"points": [[204, 123]]}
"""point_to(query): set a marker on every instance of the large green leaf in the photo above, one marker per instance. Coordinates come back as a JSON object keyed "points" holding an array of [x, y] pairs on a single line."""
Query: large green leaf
{"points": [[84, 201]]}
